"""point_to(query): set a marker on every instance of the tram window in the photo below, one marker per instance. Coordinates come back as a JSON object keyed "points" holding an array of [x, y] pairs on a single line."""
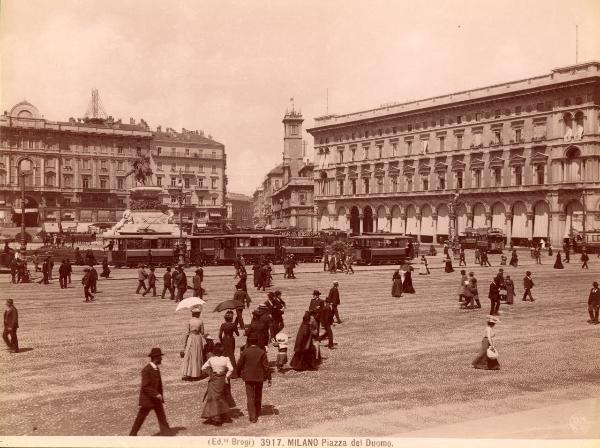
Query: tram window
{"points": [[258, 242], [121, 244], [208, 243], [153, 244], [135, 244]]}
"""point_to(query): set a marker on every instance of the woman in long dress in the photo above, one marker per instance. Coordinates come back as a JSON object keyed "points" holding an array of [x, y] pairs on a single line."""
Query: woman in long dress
{"points": [[423, 268], [218, 399], [510, 290], [192, 354], [514, 259], [228, 328], [306, 354], [558, 263], [397, 284], [448, 265], [407, 285], [482, 361]]}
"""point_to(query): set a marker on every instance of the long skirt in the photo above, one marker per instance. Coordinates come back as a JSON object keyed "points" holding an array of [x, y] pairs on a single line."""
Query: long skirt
{"points": [[308, 359], [482, 361], [193, 358], [217, 399], [558, 265], [397, 288], [229, 349], [448, 268]]}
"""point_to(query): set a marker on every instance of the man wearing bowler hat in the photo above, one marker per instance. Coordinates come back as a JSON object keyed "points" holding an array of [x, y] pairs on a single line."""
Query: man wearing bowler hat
{"points": [[151, 395], [253, 367]]}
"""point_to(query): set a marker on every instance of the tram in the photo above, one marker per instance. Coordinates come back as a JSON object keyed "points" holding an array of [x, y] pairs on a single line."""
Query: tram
{"points": [[203, 249], [304, 248], [384, 248], [253, 246], [131, 250], [488, 239]]}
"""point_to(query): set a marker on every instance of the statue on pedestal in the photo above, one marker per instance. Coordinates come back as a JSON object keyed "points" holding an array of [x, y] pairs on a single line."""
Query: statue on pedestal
{"points": [[141, 169]]}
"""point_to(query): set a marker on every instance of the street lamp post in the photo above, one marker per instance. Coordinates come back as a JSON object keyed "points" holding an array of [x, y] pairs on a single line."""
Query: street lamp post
{"points": [[22, 174], [451, 212]]}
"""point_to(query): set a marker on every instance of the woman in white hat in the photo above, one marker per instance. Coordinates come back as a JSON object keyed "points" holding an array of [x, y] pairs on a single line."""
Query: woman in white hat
{"points": [[192, 354], [483, 361]]}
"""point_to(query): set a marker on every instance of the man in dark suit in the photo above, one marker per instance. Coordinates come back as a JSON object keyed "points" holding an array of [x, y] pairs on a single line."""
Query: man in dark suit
{"points": [[167, 285], [326, 320], [11, 323], [594, 304], [494, 296], [151, 395], [253, 367], [334, 298]]}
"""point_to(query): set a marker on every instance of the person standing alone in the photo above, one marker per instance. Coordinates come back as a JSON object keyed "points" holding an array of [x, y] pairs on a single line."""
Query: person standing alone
{"points": [[594, 304], [141, 279], [254, 369], [334, 298], [528, 284], [11, 323], [151, 395], [63, 274]]}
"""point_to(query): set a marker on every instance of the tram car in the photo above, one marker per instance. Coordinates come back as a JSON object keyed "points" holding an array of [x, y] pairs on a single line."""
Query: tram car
{"points": [[203, 249], [304, 248], [384, 248], [590, 240], [253, 246], [131, 250], [488, 239]]}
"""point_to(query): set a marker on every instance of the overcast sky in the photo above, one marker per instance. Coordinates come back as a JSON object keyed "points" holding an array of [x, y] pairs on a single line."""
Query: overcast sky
{"points": [[230, 68]]}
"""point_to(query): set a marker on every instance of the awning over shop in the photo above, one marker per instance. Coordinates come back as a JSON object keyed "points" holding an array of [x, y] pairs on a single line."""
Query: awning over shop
{"points": [[51, 227], [27, 210]]}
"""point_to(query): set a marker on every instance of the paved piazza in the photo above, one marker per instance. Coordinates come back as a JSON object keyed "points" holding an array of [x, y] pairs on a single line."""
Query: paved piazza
{"points": [[402, 366]]}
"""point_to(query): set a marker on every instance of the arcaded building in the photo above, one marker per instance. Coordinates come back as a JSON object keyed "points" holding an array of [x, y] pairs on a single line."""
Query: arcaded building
{"points": [[80, 167], [522, 156]]}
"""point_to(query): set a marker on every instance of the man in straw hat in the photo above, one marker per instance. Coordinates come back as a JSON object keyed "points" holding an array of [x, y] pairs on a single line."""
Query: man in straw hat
{"points": [[151, 395]]}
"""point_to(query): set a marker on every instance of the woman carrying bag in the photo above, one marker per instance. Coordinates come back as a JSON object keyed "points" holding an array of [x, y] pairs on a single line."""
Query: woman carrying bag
{"points": [[487, 359]]}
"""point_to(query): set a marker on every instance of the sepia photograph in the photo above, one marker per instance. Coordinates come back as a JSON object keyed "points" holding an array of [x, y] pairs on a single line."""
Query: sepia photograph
{"points": [[278, 224]]}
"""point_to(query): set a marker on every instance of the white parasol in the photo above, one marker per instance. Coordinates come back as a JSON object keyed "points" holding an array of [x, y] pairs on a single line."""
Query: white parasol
{"points": [[189, 303]]}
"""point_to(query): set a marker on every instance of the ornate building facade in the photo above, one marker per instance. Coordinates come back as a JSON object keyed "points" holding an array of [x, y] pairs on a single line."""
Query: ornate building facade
{"points": [[522, 156], [79, 171], [191, 164], [285, 198]]}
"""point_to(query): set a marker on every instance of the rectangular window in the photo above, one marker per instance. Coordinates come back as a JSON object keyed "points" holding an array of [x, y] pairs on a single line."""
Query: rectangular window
{"points": [[214, 184], [103, 183], [214, 168], [173, 167], [341, 156], [201, 182], [366, 185], [498, 137], [497, 113], [425, 183], [539, 174], [159, 166], [158, 151], [497, 177], [214, 155], [67, 163], [459, 179], [518, 110], [120, 183], [365, 152], [85, 182], [459, 141], [159, 181], [394, 184], [409, 183], [394, 149], [518, 176], [120, 165], [187, 151], [409, 127], [409, 146], [380, 151], [518, 135], [353, 150], [477, 178], [119, 150], [186, 182], [68, 181], [86, 164], [173, 199], [442, 121], [353, 183], [442, 143], [478, 116], [441, 182], [173, 181], [459, 118], [103, 164], [340, 187], [214, 201], [173, 151], [187, 167]]}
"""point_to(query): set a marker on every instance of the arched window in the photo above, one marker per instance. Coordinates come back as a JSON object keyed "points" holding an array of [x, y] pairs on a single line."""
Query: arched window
{"points": [[568, 122], [579, 125]]}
